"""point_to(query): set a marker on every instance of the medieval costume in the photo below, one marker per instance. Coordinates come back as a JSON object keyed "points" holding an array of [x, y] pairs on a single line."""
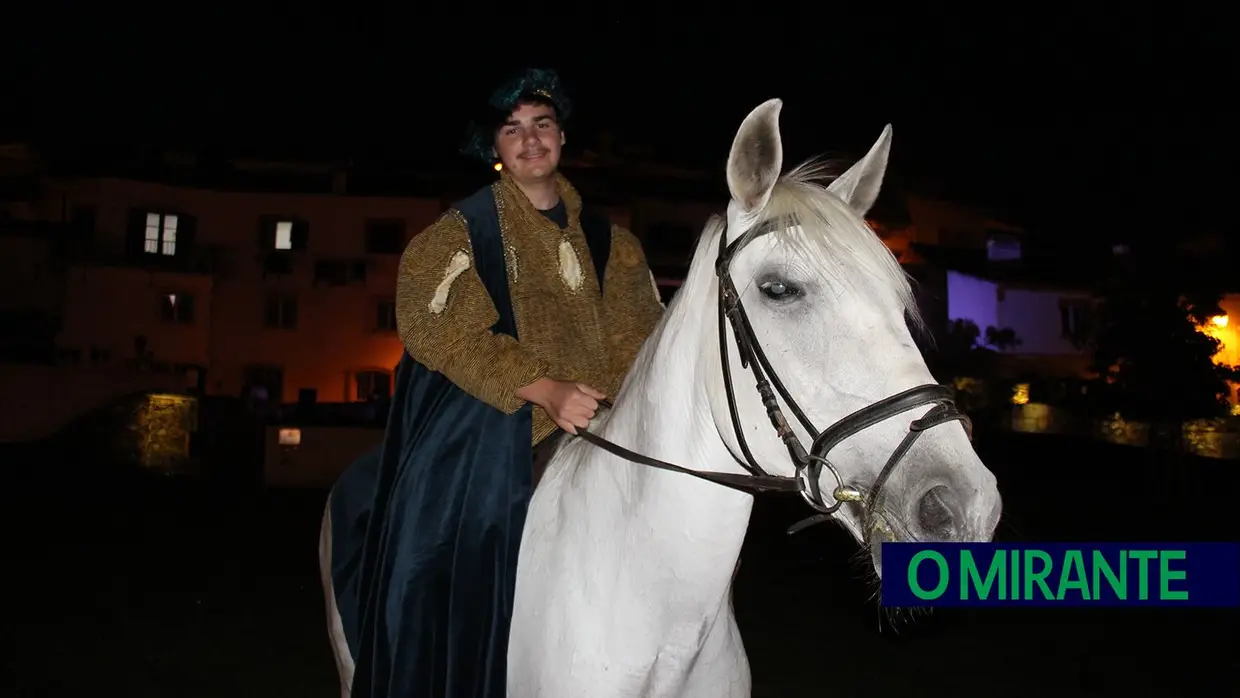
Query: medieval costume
{"points": [[427, 527]]}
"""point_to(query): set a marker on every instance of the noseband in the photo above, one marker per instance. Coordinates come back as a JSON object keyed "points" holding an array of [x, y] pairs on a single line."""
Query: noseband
{"points": [[808, 464]]}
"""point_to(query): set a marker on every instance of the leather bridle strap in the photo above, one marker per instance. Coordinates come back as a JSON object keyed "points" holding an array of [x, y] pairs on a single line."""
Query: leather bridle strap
{"points": [[736, 481], [941, 413], [808, 466]]}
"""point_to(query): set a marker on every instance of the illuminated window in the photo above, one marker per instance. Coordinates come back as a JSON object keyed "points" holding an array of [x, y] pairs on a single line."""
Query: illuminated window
{"points": [[290, 437], [282, 232], [161, 234], [284, 235]]}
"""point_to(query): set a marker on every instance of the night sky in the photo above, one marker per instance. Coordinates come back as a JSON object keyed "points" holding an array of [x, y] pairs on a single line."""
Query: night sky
{"points": [[1074, 121]]}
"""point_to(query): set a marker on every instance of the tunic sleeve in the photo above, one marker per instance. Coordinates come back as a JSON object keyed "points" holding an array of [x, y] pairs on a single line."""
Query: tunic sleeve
{"points": [[631, 304], [444, 317]]}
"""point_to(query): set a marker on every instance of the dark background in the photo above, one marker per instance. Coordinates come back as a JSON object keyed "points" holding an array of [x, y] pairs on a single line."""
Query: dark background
{"points": [[1080, 121], [1073, 119]]}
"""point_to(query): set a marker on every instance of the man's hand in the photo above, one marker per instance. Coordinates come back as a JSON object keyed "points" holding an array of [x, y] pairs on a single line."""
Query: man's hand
{"points": [[570, 405]]}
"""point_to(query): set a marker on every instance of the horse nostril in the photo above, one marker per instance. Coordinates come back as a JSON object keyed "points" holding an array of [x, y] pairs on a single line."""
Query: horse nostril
{"points": [[935, 513]]}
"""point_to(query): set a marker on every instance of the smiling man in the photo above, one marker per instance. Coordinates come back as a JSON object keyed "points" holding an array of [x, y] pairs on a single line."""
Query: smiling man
{"points": [[528, 144], [425, 547]]}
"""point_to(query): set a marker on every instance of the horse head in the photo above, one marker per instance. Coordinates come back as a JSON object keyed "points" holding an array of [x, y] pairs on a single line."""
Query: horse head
{"points": [[810, 295]]}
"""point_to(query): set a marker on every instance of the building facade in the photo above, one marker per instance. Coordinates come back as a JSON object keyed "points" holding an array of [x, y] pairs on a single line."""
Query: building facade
{"points": [[290, 292], [281, 276], [225, 288]]}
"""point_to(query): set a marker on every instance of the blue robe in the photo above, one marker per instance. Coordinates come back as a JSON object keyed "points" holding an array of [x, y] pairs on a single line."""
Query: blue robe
{"points": [[426, 527]]}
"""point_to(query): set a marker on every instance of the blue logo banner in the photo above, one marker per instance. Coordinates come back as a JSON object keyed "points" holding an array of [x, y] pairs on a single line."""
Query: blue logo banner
{"points": [[1061, 574]]}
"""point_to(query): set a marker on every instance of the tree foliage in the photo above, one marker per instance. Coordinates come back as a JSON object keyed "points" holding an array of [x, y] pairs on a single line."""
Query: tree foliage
{"points": [[1153, 362], [964, 352], [970, 358]]}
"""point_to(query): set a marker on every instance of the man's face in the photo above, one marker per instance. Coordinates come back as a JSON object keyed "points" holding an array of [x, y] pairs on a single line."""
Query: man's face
{"points": [[529, 142]]}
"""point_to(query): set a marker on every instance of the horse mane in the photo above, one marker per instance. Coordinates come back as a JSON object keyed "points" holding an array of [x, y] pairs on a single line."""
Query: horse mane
{"points": [[844, 244]]}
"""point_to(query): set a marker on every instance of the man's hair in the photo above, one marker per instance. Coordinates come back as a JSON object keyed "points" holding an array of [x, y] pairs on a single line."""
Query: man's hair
{"points": [[499, 118], [532, 86]]}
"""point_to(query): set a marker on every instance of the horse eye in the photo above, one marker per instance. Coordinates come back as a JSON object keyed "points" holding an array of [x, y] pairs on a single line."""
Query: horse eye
{"points": [[779, 290]]}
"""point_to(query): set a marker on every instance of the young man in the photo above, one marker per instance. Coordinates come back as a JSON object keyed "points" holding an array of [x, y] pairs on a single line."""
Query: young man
{"points": [[519, 310]]}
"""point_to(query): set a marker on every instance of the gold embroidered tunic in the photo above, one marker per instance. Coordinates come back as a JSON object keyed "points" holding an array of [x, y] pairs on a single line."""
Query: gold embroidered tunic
{"points": [[567, 331]]}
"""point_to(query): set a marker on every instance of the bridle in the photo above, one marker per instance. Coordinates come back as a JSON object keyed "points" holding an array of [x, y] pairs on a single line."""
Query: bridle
{"points": [[808, 463]]}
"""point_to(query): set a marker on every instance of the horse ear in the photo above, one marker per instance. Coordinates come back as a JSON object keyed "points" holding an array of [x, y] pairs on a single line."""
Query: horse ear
{"points": [[757, 156], [859, 186]]}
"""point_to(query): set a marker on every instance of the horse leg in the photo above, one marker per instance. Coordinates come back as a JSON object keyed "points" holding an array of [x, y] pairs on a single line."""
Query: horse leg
{"points": [[335, 628], [722, 668]]}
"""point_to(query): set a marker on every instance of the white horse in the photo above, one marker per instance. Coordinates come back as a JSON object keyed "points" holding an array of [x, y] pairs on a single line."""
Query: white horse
{"points": [[625, 572]]}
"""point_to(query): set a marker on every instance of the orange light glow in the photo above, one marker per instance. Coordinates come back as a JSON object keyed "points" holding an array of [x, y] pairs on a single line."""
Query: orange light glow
{"points": [[499, 166], [1020, 394], [1228, 351], [290, 437]]}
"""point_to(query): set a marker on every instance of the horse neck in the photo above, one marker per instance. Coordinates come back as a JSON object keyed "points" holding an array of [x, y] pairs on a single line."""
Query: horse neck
{"points": [[663, 412]]}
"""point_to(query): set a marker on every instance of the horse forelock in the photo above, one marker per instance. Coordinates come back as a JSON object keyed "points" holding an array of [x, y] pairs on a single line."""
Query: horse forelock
{"points": [[827, 233]]}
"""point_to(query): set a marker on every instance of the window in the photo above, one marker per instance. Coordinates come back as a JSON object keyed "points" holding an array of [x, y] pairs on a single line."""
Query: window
{"points": [[161, 234], [280, 313], [177, 308], [269, 378], [373, 384], [339, 272], [333, 272], [1000, 247], [1076, 318], [284, 235], [385, 316], [277, 264], [385, 236]]}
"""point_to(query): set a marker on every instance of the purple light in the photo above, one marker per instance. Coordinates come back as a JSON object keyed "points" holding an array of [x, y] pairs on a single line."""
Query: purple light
{"points": [[970, 298]]}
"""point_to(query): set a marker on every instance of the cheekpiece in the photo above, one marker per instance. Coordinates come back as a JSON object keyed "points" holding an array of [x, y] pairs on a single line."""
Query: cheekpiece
{"points": [[479, 139]]}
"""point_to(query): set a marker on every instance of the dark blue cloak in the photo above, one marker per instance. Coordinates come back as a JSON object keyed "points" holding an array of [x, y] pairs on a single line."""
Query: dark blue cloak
{"points": [[426, 527]]}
